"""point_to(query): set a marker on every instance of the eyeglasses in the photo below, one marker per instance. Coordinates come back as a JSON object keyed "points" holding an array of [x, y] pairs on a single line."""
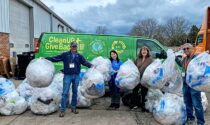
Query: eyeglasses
{"points": [[186, 48], [74, 46]]}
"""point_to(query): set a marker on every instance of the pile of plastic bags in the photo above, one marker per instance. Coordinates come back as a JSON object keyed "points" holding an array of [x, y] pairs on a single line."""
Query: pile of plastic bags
{"points": [[40, 72], [172, 74], [92, 84], [128, 76], [153, 76], [10, 101], [198, 73], [104, 66]]}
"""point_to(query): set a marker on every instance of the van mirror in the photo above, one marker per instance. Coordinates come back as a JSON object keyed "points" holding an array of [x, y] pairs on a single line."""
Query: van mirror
{"points": [[161, 55]]}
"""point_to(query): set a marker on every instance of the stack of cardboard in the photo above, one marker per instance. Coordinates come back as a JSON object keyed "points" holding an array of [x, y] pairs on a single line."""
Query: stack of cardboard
{"points": [[5, 68]]}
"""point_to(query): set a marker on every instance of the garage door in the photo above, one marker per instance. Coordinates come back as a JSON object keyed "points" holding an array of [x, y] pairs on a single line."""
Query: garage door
{"points": [[19, 28]]}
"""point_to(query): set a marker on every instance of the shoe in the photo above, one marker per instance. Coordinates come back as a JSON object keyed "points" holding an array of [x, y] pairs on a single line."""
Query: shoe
{"points": [[117, 106], [134, 108], [74, 111], [144, 110], [190, 122], [112, 105], [61, 114]]}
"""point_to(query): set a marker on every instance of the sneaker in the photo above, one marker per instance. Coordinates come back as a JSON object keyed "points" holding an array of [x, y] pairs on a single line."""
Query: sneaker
{"points": [[117, 106], [74, 111], [61, 114], [111, 107], [144, 110], [134, 108], [190, 122]]}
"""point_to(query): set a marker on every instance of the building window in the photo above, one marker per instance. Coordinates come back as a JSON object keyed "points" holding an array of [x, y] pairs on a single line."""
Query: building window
{"points": [[60, 28]]}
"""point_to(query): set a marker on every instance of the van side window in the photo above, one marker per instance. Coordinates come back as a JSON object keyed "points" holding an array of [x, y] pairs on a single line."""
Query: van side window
{"points": [[200, 39], [154, 47]]}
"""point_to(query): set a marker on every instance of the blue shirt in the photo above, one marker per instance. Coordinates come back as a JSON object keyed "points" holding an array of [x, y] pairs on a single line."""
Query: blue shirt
{"points": [[116, 65]]}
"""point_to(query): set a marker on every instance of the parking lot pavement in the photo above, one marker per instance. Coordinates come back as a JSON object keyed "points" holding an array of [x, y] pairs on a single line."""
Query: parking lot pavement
{"points": [[96, 115]]}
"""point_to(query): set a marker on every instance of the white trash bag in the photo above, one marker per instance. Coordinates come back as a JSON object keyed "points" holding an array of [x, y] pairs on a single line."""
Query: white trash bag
{"points": [[39, 73], [153, 76], [26, 91], [104, 66], [128, 76], [57, 83], [10, 101], [198, 73], [92, 85], [204, 101], [153, 95], [172, 74], [45, 101], [170, 110], [82, 102]]}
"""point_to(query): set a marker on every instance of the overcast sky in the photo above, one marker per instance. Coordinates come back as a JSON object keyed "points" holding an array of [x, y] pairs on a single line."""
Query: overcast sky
{"points": [[118, 16]]}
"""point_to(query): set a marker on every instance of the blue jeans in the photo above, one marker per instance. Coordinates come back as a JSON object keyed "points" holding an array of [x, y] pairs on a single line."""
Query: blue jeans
{"points": [[114, 90], [192, 99], [67, 80]]}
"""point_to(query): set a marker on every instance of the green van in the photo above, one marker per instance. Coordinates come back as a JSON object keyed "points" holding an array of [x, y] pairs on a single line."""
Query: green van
{"points": [[93, 45]]}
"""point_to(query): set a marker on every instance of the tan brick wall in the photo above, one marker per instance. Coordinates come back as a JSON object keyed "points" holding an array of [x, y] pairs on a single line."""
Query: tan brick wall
{"points": [[4, 44]]}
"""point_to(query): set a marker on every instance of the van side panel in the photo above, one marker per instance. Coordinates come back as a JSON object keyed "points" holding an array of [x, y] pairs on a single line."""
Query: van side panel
{"points": [[89, 45]]}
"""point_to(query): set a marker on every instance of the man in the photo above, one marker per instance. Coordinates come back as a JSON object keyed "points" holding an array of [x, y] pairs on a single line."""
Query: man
{"points": [[192, 98], [72, 65]]}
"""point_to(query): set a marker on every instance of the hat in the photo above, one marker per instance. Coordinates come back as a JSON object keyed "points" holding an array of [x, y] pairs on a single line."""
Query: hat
{"points": [[73, 44]]}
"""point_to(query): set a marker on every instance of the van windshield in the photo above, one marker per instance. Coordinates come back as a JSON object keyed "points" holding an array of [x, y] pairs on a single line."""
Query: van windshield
{"points": [[153, 47]]}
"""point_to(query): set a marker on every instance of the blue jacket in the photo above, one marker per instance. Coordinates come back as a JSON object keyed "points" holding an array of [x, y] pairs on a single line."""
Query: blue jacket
{"points": [[69, 58]]}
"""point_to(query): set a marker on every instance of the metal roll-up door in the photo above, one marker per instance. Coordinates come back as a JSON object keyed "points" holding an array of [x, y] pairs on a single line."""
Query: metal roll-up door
{"points": [[19, 28]]}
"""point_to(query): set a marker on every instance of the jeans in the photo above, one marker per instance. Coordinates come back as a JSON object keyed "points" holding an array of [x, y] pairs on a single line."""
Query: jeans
{"points": [[192, 99], [114, 90], [67, 80]]}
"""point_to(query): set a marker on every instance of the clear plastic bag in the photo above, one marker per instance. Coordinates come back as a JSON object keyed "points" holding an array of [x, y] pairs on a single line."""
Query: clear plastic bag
{"points": [[92, 85], [25, 90], [82, 101], [45, 101], [153, 95], [204, 99], [104, 66], [170, 110], [198, 73], [153, 76], [128, 76], [10, 102], [40, 72], [172, 74]]}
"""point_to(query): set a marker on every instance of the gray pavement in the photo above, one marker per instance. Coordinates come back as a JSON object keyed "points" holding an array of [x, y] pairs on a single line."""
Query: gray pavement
{"points": [[96, 115]]}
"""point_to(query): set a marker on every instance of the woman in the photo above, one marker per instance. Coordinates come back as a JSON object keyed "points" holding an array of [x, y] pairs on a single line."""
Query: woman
{"points": [[114, 90], [144, 59]]}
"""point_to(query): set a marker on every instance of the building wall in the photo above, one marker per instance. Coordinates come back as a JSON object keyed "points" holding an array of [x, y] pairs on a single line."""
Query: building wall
{"points": [[13, 35], [4, 46], [42, 21], [4, 16]]}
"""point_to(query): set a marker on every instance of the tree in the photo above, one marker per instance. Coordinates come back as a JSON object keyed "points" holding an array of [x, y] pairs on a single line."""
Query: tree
{"points": [[176, 31], [146, 27], [101, 30], [193, 33]]}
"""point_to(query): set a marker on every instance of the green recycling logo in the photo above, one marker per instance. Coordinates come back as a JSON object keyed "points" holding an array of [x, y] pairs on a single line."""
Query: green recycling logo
{"points": [[97, 46]]}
